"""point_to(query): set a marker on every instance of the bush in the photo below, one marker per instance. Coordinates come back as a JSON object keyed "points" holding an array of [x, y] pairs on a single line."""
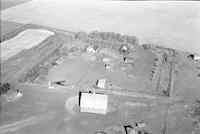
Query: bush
{"points": [[130, 39], [146, 46], [43, 70], [81, 35], [5, 87], [94, 34], [114, 36]]}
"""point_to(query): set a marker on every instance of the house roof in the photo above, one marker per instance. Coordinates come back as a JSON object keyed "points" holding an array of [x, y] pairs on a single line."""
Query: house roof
{"points": [[94, 101]]}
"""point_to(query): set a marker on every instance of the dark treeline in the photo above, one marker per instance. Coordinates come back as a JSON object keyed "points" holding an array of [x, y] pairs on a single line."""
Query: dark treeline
{"points": [[133, 40]]}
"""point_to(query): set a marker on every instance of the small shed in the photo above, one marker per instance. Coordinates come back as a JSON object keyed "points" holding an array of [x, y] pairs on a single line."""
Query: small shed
{"points": [[107, 66], [124, 48], [93, 103], [197, 57], [194, 57], [106, 60], [50, 86], [101, 83]]}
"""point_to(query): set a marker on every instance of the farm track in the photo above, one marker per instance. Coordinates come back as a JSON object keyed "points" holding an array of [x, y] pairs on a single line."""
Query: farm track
{"points": [[85, 75], [166, 76], [164, 130]]}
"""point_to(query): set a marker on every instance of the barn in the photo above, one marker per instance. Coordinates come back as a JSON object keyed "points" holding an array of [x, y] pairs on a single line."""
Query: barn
{"points": [[93, 103]]}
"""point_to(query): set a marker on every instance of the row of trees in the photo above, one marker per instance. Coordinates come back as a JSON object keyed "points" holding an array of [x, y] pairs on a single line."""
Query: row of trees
{"points": [[133, 40]]}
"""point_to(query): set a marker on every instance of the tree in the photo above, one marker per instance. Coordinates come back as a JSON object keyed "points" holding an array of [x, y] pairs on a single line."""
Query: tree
{"points": [[81, 35], [94, 34], [4, 88]]}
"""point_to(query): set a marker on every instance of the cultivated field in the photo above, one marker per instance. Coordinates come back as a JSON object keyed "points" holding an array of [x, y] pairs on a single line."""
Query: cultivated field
{"points": [[10, 3], [24, 40], [7, 27], [170, 24]]}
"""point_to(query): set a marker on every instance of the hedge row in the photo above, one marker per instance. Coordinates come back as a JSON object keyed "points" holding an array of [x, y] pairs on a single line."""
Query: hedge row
{"points": [[108, 36]]}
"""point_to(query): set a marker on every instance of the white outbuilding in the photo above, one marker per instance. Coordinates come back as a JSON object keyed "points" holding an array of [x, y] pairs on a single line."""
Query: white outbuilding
{"points": [[91, 49], [197, 57], [93, 103], [106, 60], [107, 66], [101, 83]]}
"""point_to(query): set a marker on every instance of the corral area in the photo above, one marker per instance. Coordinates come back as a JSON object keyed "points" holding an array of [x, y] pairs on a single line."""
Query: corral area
{"points": [[144, 83]]}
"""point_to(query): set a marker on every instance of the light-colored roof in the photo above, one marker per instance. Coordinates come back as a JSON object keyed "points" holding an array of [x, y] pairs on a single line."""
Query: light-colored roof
{"points": [[106, 60], [101, 83], [124, 47], [94, 101]]}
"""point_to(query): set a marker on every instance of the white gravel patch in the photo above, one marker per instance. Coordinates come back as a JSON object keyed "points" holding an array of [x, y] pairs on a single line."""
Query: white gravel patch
{"points": [[71, 103]]}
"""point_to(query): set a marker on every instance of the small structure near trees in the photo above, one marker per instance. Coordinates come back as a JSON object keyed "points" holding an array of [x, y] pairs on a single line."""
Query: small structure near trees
{"points": [[107, 66], [197, 57], [107, 63], [194, 57], [130, 130], [128, 60], [101, 83], [123, 49], [106, 60], [93, 103], [136, 128], [91, 49], [50, 86]]}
